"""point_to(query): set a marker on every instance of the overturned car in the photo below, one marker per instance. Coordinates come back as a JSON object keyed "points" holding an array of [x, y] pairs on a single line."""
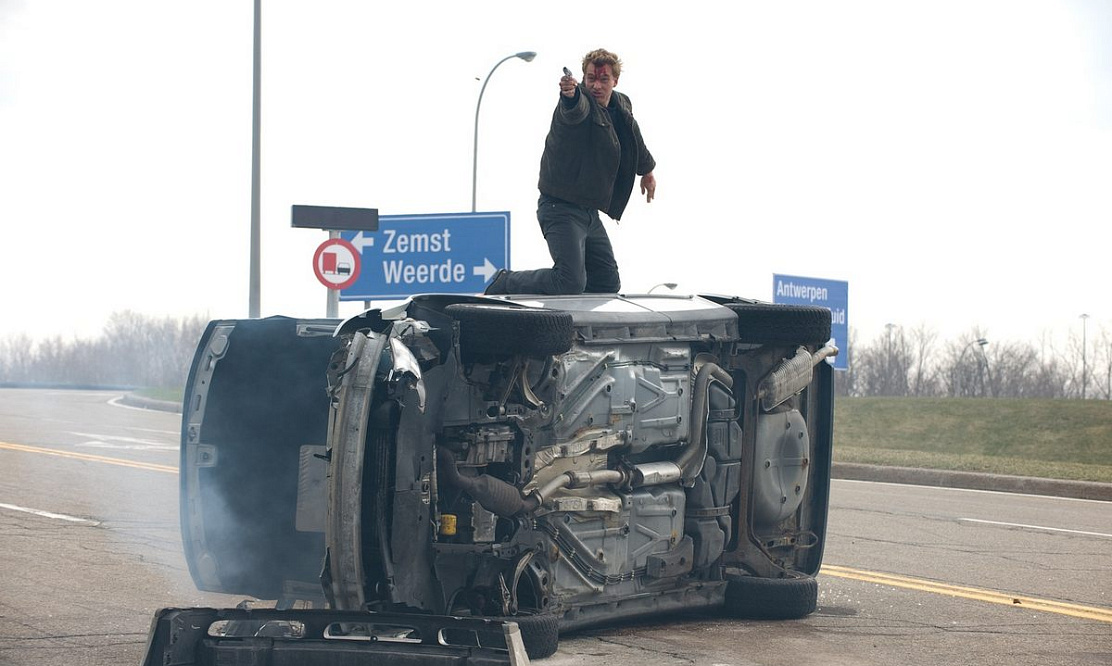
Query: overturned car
{"points": [[557, 461]]}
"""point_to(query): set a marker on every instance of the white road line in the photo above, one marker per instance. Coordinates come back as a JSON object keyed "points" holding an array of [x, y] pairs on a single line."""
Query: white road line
{"points": [[970, 490], [118, 402], [174, 433], [1033, 527], [132, 443], [47, 514], [97, 444]]}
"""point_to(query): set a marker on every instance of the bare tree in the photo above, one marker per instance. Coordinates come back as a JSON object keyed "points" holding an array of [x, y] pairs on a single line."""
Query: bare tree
{"points": [[923, 378], [1102, 366], [134, 350], [1075, 364], [17, 355], [912, 363], [883, 364], [1015, 370], [846, 382], [965, 365]]}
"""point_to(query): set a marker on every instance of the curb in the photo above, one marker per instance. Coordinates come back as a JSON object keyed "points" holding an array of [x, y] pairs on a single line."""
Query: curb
{"points": [[862, 472], [974, 481], [134, 400]]}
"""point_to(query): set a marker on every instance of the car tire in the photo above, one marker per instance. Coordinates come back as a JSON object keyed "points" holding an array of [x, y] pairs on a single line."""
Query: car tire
{"points": [[767, 323], [540, 633], [494, 332], [771, 598]]}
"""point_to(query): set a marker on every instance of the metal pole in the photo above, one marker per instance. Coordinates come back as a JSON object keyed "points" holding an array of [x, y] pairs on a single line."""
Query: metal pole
{"points": [[889, 379], [985, 387], [1084, 363], [332, 305], [253, 299], [527, 56]]}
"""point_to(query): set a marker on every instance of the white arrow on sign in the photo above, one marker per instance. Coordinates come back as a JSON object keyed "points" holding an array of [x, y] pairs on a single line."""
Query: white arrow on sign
{"points": [[361, 241], [486, 270]]}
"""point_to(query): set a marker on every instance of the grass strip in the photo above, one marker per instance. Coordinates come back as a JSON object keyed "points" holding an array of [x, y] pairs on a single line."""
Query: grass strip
{"points": [[974, 463], [1056, 439]]}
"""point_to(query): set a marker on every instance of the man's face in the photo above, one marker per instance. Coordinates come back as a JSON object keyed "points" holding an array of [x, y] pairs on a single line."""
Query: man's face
{"points": [[600, 82]]}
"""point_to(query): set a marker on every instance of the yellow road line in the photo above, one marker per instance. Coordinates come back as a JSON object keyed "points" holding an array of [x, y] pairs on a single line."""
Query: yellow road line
{"points": [[89, 457], [1029, 603], [893, 580]]}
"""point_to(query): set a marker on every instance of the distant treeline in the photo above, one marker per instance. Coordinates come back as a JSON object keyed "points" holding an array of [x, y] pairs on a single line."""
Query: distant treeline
{"points": [[913, 362], [138, 350], [133, 350]]}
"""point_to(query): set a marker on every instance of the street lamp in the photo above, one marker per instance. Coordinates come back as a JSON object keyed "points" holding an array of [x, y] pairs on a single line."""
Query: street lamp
{"points": [[1084, 364], [527, 56], [669, 285], [961, 357]]}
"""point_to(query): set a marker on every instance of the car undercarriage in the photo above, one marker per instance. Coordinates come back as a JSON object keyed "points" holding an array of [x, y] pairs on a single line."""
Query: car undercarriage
{"points": [[555, 461]]}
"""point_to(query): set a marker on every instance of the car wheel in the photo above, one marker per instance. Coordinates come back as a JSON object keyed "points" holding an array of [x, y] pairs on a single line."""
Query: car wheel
{"points": [[771, 598], [766, 323], [540, 633], [492, 332]]}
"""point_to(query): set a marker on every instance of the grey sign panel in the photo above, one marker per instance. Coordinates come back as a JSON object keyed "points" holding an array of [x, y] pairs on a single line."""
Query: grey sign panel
{"points": [[335, 218]]}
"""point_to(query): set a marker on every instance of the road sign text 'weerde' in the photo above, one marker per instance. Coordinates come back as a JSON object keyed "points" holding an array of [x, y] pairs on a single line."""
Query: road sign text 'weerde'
{"points": [[443, 253]]}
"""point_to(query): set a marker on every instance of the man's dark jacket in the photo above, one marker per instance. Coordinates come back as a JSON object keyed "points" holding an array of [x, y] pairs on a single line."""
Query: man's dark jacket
{"points": [[582, 155]]}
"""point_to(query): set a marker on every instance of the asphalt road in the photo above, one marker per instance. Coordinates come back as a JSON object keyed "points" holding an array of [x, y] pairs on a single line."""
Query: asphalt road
{"points": [[90, 548]]}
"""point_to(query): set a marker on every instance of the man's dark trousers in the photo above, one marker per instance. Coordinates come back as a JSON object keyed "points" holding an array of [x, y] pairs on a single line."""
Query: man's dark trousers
{"points": [[582, 257]]}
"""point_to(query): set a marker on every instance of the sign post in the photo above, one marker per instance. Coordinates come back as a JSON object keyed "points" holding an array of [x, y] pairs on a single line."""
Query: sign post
{"points": [[332, 271], [830, 294], [336, 265]]}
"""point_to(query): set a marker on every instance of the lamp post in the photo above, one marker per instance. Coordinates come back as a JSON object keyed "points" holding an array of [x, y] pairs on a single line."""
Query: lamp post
{"points": [[1084, 362], [527, 56], [669, 285], [986, 387], [254, 279], [961, 357]]}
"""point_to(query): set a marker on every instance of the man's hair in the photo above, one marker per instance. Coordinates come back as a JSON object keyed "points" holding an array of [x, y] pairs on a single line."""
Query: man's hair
{"points": [[600, 57]]}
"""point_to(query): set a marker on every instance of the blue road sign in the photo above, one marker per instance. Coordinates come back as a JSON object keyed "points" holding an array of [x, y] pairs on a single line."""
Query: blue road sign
{"points": [[455, 253], [832, 294]]}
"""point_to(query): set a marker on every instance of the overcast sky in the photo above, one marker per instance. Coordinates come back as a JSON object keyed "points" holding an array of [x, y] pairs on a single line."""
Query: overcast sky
{"points": [[950, 160]]}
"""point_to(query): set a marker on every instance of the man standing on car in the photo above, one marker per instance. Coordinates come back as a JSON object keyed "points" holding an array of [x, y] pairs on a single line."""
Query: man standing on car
{"points": [[591, 156]]}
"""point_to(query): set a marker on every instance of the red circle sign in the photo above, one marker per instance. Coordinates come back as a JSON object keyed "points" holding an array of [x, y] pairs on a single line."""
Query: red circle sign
{"points": [[336, 263]]}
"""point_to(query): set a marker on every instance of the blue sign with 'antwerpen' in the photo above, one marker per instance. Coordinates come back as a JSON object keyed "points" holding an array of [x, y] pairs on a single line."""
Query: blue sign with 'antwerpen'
{"points": [[831, 294]]}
